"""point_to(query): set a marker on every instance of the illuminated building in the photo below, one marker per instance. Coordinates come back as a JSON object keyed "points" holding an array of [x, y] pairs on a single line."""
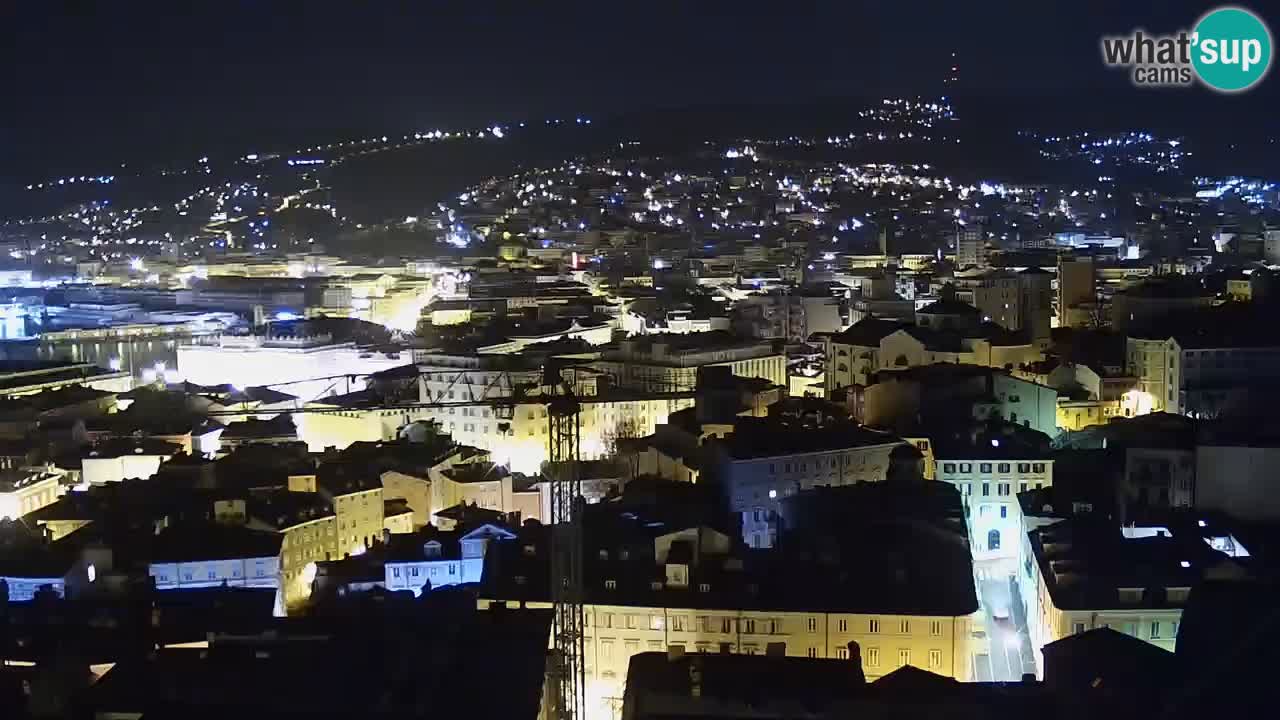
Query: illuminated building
{"points": [[515, 435], [1019, 302], [483, 485], [990, 469], [307, 367], [28, 489], [397, 516], [690, 588], [215, 555], [669, 362], [1089, 574], [946, 331], [918, 400], [412, 481], [792, 316], [971, 246], [437, 557], [1203, 373], [309, 533], [1240, 290], [118, 459]]}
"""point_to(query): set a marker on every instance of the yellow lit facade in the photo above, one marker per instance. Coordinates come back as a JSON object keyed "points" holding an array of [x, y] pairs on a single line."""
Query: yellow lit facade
{"points": [[359, 520], [27, 496], [613, 633], [304, 544]]}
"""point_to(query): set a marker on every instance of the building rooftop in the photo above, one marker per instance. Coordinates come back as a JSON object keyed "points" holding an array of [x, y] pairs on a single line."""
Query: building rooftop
{"points": [[868, 332], [188, 542], [1088, 564], [754, 438], [626, 549]]}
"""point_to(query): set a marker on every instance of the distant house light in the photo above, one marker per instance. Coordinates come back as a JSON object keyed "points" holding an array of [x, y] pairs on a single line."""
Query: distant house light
{"points": [[773, 494], [1185, 564], [995, 443]]}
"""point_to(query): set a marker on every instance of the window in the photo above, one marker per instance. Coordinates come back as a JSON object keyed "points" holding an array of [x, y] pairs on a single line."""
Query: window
{"points": [[948, 467], [935, 659], [395, 572], [749, 626], [1077, 628], [904, 657], [984, 467], [1174, 628], [842, 653], [726, 625], [813, 652], [993, 540], [843, 625], [1003, 467], [873, 625], [1004, 511], [606, 649], [657, 622], [873, 657], [1024, 467], [1002, 489], [935, 628], [704, 587], [610, 584], [966, 467], [1155, 629], [1013, 417], [1037, 467], [986, 489], [606, 620], [678, 623], [813, 624]]}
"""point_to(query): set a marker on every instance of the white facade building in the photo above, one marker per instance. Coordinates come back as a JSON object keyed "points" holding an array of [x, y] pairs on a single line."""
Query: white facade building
{"points": [[309, 367]]}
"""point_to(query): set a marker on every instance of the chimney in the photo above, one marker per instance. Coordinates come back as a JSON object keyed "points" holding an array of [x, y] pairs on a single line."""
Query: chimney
{"points": [[675, 652], [855, 656], [695, 678]]}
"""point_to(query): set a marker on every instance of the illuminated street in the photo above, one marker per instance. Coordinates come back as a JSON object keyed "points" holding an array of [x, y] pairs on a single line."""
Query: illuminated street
{"points": [[1008, 655]]}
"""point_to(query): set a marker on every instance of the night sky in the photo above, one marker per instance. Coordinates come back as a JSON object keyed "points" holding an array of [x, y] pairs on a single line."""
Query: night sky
{"points": [[95, 80]]}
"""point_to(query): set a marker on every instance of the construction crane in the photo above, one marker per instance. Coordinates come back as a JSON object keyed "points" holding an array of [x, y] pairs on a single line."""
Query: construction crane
{"points": [[568, 678]]}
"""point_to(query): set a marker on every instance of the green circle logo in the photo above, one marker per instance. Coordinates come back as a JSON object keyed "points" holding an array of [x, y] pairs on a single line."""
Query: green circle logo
{"points": [[1231, 49]]}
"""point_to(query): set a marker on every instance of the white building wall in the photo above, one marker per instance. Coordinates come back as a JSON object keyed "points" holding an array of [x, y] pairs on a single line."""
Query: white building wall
{"points": [[989, 491], [244, 572]]}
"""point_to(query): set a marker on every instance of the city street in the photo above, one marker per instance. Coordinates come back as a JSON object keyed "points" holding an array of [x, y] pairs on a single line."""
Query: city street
{"points": [[1007, 653]]}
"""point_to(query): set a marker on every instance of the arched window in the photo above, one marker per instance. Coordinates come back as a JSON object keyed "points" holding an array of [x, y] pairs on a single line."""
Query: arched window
{"points": [[993, 540]]}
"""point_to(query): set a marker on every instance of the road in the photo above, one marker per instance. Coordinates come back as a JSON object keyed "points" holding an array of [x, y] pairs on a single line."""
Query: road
{"points": [[1007, 652]]}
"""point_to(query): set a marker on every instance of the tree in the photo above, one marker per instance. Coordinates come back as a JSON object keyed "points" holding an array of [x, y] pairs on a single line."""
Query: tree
{"points": [[615, 445]]}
